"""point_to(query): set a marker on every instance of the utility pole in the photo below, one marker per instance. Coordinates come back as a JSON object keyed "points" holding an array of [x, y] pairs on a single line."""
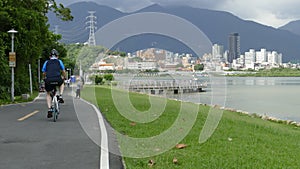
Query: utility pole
{"points": [[80, 69], [92, 26], [30, 79], [39, 70]]}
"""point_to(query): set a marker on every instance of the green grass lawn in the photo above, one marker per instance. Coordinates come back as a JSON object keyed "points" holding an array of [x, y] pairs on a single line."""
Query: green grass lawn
{"points": [[240, 141]]}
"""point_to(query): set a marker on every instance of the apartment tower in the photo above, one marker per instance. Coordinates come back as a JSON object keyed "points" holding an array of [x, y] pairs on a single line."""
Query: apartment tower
{"points": [[234, 47]]}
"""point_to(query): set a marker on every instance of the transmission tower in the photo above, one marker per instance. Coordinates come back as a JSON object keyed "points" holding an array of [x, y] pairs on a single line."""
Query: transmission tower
{"points": [[92, 26]]}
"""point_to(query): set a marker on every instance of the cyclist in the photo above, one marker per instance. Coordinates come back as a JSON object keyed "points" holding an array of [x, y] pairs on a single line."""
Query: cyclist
{"points": [[52, 69]]}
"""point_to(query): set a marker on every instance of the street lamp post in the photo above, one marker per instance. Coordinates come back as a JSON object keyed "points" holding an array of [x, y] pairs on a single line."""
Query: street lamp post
{"points": [[69, 73], [12, 63], [39, 70]]}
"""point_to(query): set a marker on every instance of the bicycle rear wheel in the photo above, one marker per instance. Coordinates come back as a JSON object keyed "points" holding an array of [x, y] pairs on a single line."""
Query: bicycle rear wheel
{"points": [[54, 115], [55, 109]]}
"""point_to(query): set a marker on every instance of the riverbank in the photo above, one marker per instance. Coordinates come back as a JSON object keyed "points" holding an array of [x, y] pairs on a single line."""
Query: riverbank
{"points": [[274, 72], [264, 117], [240, 140]]}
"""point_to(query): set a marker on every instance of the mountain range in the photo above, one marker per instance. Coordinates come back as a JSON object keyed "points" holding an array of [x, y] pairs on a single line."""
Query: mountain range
{"points": [[216, 25], [293, 26]]}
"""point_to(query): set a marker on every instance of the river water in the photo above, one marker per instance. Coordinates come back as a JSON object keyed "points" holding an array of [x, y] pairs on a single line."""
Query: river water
{"points": [[277, 97]]}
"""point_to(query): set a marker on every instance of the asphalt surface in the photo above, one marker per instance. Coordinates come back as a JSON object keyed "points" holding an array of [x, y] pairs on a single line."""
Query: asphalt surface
{"points": [[29, 140]]}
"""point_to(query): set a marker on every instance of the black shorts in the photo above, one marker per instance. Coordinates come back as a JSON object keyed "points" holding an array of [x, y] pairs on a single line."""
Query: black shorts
{"points": [[51, 83]]}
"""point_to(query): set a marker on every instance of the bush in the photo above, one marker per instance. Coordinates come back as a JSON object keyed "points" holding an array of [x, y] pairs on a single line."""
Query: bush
{"points": [[98, 80], [199, 67], [108, 77]]}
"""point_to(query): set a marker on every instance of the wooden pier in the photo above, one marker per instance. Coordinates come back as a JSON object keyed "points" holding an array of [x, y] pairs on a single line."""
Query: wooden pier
{"points": [[163, 86]]}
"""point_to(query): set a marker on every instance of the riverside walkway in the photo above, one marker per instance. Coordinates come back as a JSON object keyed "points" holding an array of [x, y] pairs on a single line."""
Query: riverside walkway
{"points": [[29, 140]]}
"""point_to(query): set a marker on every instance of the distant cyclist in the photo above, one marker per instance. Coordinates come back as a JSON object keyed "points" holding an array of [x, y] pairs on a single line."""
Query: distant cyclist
{"points": [[52, 70]]}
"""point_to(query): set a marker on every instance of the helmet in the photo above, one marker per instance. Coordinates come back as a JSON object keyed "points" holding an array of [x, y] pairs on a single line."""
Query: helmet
{"points": [[53, 53]]}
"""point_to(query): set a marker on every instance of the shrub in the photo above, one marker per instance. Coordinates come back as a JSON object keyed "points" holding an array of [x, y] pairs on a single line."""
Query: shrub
{"points": [[108, 77], [98, 80]]}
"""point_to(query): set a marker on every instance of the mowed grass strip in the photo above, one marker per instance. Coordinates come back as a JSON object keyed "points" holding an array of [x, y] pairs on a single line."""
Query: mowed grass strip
{"points": [[18, 99], [239, 141]]}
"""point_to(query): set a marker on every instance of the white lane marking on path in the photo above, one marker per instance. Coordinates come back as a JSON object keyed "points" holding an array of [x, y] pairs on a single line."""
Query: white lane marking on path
{"points": [[104, 156], [28, 115]]}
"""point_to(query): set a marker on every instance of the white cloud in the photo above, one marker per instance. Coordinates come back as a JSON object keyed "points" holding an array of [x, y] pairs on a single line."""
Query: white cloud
{"points": [[268, 12], [129, 5]]}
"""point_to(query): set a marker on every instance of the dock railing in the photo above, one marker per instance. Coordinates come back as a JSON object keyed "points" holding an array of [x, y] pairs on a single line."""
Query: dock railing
{"points": [[177, 86]]}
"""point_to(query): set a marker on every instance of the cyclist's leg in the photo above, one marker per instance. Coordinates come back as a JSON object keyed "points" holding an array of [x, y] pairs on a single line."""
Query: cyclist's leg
{"points": [[61, 90], [49, 99], [49, 88]]}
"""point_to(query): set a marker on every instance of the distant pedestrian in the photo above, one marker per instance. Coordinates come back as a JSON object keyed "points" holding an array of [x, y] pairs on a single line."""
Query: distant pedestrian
{"points": [[68, 82], [78, 88]]}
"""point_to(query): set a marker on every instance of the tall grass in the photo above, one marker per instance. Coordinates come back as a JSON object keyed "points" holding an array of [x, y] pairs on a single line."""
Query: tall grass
{"points": [[240, 141]]}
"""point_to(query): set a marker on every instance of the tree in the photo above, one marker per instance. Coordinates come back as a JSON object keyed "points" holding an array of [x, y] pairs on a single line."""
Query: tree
{"points": [[199, 67], [60, 11], [4, 79], [32, 41]]}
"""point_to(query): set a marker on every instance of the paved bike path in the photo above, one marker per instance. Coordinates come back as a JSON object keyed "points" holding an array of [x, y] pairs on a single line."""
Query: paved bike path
{"points": [[35, 142]]}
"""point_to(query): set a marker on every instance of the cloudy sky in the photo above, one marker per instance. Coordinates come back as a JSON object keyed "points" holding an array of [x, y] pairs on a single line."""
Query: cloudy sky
{"points": [[274, 13]]}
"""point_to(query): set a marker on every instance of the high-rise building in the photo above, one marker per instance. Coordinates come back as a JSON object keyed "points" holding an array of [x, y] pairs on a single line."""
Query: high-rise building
{"points": [[250, 59], [234, 47], [274, 57], [217, 51], [261, 56], [226, 53]]}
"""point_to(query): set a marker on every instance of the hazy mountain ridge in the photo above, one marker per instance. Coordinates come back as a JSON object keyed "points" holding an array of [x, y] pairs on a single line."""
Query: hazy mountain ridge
{"points": [[77, 30], [217, 25], [293, 27]]}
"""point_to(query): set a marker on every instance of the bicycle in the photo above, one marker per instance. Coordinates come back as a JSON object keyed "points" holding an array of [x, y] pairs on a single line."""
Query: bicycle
{"points": [[54, 104]]}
